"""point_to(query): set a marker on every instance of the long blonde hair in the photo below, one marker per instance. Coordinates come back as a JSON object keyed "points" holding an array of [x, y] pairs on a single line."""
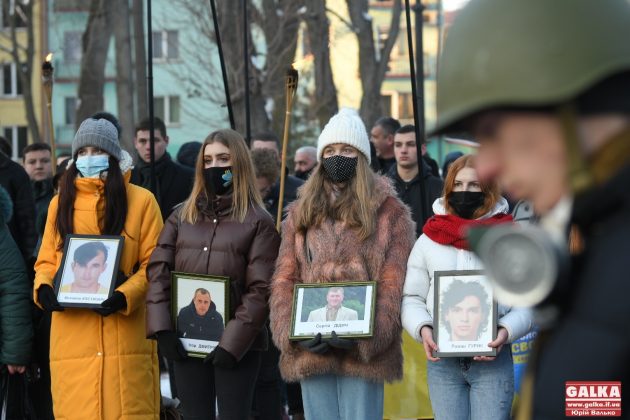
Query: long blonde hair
{"points": [[245, 194], [354, 206]]}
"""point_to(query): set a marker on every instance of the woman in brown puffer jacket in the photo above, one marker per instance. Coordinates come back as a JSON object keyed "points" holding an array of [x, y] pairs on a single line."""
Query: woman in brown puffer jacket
{"points": [[222, 229], [346, 226]]}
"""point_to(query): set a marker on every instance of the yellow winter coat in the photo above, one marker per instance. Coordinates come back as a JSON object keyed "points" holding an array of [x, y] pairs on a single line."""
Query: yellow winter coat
{"points": [[104, 367]]}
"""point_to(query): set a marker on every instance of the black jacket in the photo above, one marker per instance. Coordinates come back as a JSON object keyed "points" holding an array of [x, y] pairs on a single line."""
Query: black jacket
{"points": [[591, 341], [291, 186], [16, 330], [43, 192], [207, 327], [217, 244], [410, 193], [433, 166], [174, 182], [22, 226]]}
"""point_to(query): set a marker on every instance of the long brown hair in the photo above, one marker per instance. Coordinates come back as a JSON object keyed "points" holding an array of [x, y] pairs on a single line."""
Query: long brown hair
{"points": [[490, 189], [243, 182], [115, 198], [355, 204]]}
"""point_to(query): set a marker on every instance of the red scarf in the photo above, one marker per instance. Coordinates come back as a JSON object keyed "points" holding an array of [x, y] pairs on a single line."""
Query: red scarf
{"points": [[451, 230]]}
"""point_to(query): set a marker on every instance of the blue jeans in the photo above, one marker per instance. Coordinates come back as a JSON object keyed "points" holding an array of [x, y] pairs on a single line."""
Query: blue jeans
{"points": [[461, 388], [331, 397]]}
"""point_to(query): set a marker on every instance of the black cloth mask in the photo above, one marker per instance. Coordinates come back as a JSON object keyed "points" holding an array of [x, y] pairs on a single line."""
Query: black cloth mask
{"points": [[218, 180], [303, 174], [466, 203], [340, 168]]}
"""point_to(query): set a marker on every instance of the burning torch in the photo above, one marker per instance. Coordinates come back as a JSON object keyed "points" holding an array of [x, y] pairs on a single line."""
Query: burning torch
{"points": [[47, 80], [291, 83]]}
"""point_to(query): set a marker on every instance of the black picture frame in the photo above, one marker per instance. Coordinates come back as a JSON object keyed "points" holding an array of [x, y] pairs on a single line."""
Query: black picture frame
{"points": [[200, 334], [98, 259], [308, 312], [464, 307]]}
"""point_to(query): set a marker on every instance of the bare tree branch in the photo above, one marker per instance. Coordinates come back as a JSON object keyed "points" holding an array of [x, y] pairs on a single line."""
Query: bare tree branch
{"points": [[342, 19], [372, 67], [96, 39]]}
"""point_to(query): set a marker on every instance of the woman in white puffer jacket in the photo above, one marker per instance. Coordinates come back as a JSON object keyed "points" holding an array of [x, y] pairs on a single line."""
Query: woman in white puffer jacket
{"points": [[461, 387]]}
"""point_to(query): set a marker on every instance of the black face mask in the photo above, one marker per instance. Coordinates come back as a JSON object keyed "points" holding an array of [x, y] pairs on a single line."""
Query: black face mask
{"points": [[466, 203], [218, 180], [303, 175], [340, 168]]}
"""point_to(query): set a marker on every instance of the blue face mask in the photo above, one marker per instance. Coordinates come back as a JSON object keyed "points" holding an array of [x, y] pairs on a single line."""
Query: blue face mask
{"points": [[92, 166]]}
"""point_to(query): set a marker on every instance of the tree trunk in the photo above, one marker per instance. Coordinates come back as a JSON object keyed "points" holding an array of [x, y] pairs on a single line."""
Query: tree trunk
{"points": [[96, 39], [325, 91], [373, 64], [281, 34], [124, 78], [142, 108], [22, 57], [230, 12]]}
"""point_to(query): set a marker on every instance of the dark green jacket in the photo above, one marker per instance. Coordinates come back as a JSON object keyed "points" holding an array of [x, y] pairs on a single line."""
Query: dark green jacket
{"points": [[16, 330]]}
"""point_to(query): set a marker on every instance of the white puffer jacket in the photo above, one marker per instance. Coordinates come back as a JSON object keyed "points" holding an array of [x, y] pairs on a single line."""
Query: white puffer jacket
{"points": [[426, 258]]}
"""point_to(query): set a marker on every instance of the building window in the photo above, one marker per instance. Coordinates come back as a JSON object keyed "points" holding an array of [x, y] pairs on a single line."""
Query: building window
{"points": [[72, 46], [386, 104], [398, 105], [11, 83], [71, 110], [405, 106], [165, 45], [430, 65], [17, 136], [168, 109]]}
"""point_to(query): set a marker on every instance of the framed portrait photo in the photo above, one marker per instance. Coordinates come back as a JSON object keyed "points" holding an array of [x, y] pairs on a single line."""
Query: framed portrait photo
{"points": [[200, 310], [345, 308], [88, 270], [464, 315]]}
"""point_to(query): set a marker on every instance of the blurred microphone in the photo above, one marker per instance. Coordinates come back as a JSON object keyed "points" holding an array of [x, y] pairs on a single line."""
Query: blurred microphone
{"points": [[521, 261]]}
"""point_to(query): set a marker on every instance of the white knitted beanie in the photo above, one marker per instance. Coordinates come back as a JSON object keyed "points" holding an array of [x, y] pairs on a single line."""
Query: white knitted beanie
{"points": [[345, 127]]}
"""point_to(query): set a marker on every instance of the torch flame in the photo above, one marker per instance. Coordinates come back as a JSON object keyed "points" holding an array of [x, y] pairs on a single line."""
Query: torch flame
{"points": [[303, 62], [49, 57]]}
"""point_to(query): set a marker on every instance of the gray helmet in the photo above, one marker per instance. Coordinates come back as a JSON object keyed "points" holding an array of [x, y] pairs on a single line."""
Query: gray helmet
{"points": [[528, 53]]}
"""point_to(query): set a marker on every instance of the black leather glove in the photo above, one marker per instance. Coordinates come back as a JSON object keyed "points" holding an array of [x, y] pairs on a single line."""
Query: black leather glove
{"points": [[221, 358], [114, 303], [170, 346], [315, 345], [341, 343], [47, 298], [319, 345]]}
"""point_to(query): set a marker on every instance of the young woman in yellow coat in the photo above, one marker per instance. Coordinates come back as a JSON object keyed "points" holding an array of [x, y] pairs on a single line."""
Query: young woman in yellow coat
{"points": [[102, 366]]}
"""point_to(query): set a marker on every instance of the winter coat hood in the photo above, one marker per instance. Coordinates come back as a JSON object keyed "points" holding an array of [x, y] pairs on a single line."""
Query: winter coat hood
{"points": [[502, 206]]}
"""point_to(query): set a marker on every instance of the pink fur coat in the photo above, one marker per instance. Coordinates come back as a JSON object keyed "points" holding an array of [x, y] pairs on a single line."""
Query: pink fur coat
{"points": [[339, 256]]}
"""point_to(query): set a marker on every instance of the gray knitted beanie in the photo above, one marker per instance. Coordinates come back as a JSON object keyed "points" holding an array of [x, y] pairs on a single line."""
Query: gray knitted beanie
{"points": [[97, 133]]}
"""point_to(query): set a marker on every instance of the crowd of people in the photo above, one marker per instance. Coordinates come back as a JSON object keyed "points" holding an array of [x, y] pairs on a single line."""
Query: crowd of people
{"points": [[344, 222], [362, 207]]}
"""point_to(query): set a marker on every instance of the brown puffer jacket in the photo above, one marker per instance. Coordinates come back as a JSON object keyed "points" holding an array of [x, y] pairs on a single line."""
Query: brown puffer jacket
{"points": [[218, 245], [339, 256]]}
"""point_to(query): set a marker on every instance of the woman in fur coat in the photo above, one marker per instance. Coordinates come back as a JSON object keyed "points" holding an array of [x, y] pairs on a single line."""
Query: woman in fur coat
{"points": [[346, 226], [461, 387]]}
